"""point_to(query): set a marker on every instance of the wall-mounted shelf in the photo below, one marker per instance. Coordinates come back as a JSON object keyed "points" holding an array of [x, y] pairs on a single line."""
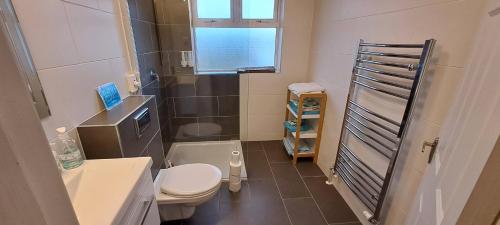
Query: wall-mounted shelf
{"points": [[314, 133]]}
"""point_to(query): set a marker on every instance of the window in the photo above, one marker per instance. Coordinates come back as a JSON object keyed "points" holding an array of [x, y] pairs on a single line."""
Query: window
{"points": [[234, 34]]}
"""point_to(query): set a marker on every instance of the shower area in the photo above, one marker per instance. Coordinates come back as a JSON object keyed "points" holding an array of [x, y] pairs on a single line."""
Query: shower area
{"points": [[200, 98]]}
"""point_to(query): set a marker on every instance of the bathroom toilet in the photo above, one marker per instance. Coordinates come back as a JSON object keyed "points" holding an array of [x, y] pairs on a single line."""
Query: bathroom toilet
{"points": [[180, 189]]}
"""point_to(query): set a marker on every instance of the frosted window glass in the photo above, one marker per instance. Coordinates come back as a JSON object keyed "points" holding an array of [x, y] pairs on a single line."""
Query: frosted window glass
{"points": [[258, 9], [213, 9], [223, 49]]}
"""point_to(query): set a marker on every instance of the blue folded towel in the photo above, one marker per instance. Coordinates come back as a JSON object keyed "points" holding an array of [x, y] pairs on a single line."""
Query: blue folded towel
{"points": [[292, 126]]}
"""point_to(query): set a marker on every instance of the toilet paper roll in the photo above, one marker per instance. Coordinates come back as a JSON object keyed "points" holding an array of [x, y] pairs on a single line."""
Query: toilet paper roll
{"points": [[235, 169], [235, 157], [234, 179], [235, 187]]}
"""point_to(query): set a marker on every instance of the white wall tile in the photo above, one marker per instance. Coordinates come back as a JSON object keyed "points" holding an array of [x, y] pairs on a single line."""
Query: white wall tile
{"points": [[339, 24], [96, 33], [265, 90], [46, 29], [266, 105], [89, 3], [108, 6], [265, 127], [71, 92]]}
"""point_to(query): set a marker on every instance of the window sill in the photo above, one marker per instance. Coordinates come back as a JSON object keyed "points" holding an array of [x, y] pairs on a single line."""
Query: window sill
{"points": [[241, 71], [257, 70]]}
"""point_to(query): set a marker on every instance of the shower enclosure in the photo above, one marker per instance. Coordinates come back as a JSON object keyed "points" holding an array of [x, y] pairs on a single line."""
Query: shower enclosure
{"points": [[200, 112]]}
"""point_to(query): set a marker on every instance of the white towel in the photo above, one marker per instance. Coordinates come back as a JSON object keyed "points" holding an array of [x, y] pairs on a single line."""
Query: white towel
{"points": [[300, 88]]}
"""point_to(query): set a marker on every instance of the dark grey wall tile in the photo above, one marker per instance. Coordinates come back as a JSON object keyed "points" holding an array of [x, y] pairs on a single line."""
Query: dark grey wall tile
{"points": [[184, 128], [155, 46], [142, 36], [166, 65], [180, 86], [153, 89], [176, 12], [175, 37], [175, 58], [229, 105], [132, 7], [171, 107], [145, 10], [148, 62], [181, 37], [159, 8], [217, 85], [230, 138], [165, 37], [210, 126], [163, 114], [196, 106]]}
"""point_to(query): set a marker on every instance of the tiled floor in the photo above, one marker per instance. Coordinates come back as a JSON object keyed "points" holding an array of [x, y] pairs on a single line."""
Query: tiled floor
{"points": [[276, 193]]}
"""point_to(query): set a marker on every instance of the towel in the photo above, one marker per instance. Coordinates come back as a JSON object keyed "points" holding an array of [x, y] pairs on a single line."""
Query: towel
{"points": [[292, 126], [308, 104], [300, 88], [303, 145]]}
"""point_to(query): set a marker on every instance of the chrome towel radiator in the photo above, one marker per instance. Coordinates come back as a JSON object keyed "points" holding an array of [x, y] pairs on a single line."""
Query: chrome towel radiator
{"points": [[397, 77]]}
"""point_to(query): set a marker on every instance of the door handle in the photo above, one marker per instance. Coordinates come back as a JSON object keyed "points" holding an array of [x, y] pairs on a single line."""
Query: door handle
{"points": [[433, 145]]}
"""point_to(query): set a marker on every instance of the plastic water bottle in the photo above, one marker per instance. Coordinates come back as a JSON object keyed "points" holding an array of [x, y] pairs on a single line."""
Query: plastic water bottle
{"points": [[69, 154]]}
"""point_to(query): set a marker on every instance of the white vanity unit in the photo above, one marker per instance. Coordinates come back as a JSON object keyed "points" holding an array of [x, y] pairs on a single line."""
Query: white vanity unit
{"points": [[113, 192]]}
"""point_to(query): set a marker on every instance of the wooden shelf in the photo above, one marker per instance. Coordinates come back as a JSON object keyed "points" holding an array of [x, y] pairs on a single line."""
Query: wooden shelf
{"points": [[291, 148], [305, 117], [306, 134]]}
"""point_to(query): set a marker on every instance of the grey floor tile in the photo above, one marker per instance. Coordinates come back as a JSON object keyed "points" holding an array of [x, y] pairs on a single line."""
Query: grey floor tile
{"points": [[276, 151], [257, 165], [263, 207], [307, 168], [303, 211], [329, 201], [206, 213], [289, 181], [252, 145], [225, 195]]}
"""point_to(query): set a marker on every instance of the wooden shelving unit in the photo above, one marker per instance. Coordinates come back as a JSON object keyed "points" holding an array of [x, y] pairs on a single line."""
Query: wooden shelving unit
{"points": [[315, 133]]}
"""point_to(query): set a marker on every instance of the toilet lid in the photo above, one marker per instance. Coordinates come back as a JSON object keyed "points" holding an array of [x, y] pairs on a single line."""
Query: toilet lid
{"points": [[190, 179]]}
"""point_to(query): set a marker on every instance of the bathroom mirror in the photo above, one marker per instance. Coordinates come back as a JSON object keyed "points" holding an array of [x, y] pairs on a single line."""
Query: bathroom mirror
{"points": [[12, 30]]}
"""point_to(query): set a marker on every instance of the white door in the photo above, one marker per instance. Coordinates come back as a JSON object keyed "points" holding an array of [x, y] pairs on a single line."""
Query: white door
{"points": [[469, 133]]}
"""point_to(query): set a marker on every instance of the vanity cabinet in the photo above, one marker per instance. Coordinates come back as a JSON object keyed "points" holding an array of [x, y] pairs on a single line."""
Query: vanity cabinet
{"points": [[141, 207], [131, 129]]}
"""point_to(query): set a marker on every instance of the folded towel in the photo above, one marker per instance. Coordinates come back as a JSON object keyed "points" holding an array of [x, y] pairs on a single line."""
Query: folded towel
{"points": [[292, 126], [303, 145], [300, 88], [295, 109], [308, 105]]}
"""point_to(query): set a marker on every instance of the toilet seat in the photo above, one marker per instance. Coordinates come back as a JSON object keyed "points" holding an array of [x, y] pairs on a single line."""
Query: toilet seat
{"points": [[190, 180]]}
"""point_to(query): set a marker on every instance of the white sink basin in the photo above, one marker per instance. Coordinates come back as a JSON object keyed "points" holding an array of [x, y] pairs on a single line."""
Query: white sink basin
{"points": [[72, 180], [98, 189]]}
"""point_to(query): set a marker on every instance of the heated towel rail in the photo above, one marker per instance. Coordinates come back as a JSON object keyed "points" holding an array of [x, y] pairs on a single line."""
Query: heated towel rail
{"points": [[395, 75]]}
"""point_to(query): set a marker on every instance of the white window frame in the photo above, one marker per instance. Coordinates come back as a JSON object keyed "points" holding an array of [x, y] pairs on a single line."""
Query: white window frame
{"points": [[237, 21]]}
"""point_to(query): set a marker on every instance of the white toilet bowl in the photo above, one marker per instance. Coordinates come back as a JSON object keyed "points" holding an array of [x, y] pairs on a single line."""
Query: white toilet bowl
{"points": [[181, 188]]}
